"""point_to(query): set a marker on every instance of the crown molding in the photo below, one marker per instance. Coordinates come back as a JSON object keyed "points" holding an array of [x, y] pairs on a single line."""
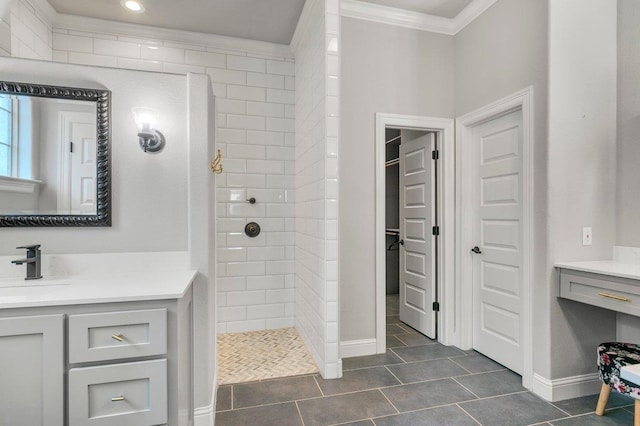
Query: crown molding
{"points": [[398, 17], [414, 20], [102, 26]]}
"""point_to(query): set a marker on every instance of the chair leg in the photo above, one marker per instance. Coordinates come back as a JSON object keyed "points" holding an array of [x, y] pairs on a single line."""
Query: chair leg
{"points": [[605, 390], [636, 413]]}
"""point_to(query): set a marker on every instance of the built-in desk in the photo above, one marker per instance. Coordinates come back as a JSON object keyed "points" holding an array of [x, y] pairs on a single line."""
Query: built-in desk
{"points": [[607, 284]]}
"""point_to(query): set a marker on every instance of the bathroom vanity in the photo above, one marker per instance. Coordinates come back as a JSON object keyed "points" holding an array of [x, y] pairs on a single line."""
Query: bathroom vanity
{"points": [[608, 284], [100, 349]]}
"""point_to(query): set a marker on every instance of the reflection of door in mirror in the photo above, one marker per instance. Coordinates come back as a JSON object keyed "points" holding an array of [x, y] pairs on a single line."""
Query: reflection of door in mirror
{"points": [[67, 157], [77, 192]]}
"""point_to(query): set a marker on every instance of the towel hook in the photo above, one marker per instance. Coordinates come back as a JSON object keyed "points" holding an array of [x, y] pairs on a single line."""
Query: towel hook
{"points": [[216, 164]]}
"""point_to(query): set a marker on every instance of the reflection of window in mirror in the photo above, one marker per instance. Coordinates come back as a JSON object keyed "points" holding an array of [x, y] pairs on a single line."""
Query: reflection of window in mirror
{"points": [[7, 149], [16, 137]]}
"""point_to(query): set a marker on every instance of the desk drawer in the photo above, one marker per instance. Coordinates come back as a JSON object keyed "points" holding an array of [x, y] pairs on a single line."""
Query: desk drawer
{"points": [[615, 294], [117, 335], [130, 394]]}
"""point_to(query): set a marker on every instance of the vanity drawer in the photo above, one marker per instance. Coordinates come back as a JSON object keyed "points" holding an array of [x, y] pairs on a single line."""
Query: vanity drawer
{"points": [[617, 294], [130, 394], [117, 335]]}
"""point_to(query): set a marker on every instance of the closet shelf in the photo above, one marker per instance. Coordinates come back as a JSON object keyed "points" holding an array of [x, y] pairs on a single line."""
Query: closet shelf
{"points": [[393, 162], [396, 139], [392, 231]]}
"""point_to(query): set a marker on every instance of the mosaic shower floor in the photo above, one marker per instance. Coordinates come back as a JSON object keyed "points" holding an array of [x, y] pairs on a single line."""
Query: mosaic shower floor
{"points": [[260, 355]]}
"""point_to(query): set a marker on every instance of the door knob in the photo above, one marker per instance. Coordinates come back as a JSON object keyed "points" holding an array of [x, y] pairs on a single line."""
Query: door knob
{"points": [[476, 250], [400, 242]]}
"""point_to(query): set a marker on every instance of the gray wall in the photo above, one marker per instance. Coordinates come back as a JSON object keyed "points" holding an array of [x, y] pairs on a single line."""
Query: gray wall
{"points": [[628, 177], [628, 148], [581, 168], [384, 69], [149, 191]]}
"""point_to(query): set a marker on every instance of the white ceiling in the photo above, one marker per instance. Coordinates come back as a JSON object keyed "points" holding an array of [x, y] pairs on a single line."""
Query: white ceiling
{"points": [[265, 20]]}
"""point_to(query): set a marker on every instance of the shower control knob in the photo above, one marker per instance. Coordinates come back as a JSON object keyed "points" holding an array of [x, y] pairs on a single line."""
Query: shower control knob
{"points": [[252, 229]]}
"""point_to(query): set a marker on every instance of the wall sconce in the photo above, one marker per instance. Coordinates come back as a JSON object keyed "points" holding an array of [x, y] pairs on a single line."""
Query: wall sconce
{"points": [[150, 139]]}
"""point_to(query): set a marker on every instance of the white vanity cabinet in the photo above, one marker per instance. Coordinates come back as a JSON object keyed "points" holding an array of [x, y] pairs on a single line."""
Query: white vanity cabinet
{"points": [[98, 364], [32, 370]]}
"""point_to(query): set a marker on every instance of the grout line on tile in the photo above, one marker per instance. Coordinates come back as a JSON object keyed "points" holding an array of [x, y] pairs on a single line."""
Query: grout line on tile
{"points": [[469, 390], [460, 365], [391, 372], [385, 397], [401, 359], [315, 379], [299, 412], [501, 395], [558, 408], [555, 406], [467, 413]]}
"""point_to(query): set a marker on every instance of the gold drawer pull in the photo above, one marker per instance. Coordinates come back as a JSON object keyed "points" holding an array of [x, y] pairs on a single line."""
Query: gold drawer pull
{"points": [[117, 337], [117, 398], [613, 296]]}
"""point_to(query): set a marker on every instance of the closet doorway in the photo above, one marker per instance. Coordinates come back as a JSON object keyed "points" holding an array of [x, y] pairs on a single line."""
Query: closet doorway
{"points": [[411, 223], [412, 197]]}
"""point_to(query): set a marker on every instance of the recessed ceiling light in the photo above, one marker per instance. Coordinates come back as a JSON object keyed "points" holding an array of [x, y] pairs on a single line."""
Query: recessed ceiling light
{"points": [[132, 6]]}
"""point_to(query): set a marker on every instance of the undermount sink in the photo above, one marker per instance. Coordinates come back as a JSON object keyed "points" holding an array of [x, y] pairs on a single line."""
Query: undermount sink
{"points": [[21, 282]]}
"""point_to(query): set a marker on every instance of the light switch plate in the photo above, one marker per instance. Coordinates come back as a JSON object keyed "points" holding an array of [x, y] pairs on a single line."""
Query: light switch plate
{"points": [[587, 236]]}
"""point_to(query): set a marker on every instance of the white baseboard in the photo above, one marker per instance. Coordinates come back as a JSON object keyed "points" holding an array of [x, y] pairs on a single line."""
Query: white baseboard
{"points": [[206, 416], [353, 348], [566, 387]]}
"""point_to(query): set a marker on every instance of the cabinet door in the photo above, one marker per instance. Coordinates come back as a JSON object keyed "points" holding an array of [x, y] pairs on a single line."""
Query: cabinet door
{"points": [[32, 371]]}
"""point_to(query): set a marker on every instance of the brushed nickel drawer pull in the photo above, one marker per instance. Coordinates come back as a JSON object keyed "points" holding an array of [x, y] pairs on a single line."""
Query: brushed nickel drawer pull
{"points": [[117, 398], [117, 337], [613, 296]]}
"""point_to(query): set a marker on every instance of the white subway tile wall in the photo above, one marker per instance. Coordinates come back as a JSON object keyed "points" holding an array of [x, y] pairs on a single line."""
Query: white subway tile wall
{"points": [[316, 174], [255, 131], [30, 31]]}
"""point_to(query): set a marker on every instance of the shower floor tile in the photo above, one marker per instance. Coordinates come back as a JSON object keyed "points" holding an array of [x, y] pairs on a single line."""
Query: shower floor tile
{"points": [[260, 355]]}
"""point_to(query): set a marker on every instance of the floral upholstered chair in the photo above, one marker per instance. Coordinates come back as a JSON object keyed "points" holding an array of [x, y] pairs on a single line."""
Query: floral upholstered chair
{"points": [[612, 356]]}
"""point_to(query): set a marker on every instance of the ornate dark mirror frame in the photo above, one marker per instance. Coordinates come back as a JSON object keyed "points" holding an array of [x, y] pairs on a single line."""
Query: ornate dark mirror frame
{"points": [[102, 98]]}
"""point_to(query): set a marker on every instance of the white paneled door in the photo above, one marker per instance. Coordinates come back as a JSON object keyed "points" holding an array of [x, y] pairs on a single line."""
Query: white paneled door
{"points": [[498, 238], [417, 217]]}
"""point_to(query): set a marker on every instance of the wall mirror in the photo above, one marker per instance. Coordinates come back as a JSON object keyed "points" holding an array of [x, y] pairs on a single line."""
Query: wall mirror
{"points": [[54, 156]]}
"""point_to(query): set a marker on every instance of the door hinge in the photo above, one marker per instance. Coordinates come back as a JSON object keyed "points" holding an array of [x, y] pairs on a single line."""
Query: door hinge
{"points": [[71, 147], [435, 230], [435, 155], [436, 306]]}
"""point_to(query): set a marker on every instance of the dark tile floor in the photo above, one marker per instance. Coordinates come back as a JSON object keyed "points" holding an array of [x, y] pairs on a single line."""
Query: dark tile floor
{"points": [[417, 382]]}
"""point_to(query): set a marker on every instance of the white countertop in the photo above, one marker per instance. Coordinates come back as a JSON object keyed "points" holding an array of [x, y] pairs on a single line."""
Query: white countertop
{"points": [[604, 267], [100, 288]]}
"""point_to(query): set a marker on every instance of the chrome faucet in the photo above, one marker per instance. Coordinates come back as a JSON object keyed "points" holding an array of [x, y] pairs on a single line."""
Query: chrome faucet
{"points": [[33, 261]]}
